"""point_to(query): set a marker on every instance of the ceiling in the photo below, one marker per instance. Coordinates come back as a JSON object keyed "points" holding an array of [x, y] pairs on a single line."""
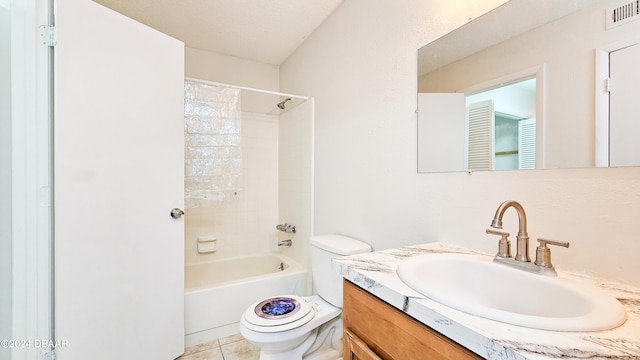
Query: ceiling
{"points": [[267, 31]]}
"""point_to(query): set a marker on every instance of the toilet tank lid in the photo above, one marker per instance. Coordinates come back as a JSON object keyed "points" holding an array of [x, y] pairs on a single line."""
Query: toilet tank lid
{"points": [[341, 245]]}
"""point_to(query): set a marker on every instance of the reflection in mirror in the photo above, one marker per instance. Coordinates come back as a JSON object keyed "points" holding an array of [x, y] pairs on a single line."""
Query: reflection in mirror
{"points": [[507, 115], [562, 48]]}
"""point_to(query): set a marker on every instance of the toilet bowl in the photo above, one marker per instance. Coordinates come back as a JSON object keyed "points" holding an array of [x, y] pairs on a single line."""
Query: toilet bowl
{"points": [[289, 327], [283, 339]]}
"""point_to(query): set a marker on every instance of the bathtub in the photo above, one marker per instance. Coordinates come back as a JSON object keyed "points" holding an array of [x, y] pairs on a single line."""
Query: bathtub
{"points": [[218, 292]]}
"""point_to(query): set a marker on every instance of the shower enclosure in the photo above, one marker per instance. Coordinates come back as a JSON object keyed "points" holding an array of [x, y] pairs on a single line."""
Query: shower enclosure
{"points": [[259, 151]]}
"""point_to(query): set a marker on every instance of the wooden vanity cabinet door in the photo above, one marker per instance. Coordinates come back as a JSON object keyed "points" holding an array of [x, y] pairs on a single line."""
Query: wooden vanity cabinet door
{"points": [[376, 329], [356, 349]]}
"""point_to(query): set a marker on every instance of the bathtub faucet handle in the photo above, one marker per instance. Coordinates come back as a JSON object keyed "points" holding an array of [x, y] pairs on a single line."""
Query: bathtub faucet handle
{"points": [[291, 229]]}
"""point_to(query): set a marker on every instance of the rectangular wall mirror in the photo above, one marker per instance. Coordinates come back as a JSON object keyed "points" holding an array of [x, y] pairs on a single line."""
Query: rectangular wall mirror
{"points": [[532, 85]]}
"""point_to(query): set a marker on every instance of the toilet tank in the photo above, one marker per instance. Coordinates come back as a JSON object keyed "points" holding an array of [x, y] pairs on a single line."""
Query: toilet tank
{"points": [[324, 248]]}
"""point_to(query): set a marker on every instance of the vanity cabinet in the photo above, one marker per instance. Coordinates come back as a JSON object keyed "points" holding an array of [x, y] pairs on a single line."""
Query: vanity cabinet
{"points": [[375, 330]]}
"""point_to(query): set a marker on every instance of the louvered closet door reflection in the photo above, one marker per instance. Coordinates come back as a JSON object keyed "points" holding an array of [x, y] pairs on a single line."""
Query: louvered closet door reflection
{"points": [[527, 144], [481, 136]]}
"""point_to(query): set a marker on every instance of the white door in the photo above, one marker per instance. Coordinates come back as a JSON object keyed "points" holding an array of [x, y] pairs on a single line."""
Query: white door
{"points": [[118, 173], [441, 132], [624, 117]]}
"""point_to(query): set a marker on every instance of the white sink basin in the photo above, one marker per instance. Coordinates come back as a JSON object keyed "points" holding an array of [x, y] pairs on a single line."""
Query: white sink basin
{"points": [[478, 286]]}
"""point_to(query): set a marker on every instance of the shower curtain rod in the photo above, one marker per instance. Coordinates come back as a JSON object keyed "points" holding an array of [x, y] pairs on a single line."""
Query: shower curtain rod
{"points": [[248, 88]]}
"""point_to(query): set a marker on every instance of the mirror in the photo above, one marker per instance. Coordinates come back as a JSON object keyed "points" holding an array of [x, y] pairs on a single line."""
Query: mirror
{"points": [[548, 62]]}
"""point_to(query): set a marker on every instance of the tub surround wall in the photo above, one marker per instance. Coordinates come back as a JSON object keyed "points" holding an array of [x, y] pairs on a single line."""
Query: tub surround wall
{"points": [[295, 179], [376, 273], [277, 162], [360, 66], [289, 199], [245, 224]]}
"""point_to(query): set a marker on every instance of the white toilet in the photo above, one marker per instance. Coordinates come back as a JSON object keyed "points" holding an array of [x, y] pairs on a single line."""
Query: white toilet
{"points": [[290, 327]]}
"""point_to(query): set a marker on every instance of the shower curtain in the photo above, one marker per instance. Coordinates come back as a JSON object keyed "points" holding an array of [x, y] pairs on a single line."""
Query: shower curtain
{"points": [[213, 155]]}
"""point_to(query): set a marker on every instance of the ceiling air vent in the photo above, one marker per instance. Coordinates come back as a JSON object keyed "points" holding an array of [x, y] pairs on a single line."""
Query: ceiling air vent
{"points": [[618, 15]]}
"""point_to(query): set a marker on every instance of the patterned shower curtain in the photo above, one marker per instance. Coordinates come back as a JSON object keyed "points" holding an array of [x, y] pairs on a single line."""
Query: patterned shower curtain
{"points": [[213, 155]]}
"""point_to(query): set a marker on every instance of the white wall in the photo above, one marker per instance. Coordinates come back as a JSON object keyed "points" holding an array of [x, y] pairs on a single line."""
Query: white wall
{"points": [[206, 65], [360, 66]]}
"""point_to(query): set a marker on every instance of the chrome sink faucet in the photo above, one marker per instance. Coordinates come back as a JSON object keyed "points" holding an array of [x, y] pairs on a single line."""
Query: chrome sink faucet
{"points": [[542, 265], [522, 245]]}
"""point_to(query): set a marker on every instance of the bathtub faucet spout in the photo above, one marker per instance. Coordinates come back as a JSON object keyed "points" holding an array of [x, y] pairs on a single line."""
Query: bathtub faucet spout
{"points": [[284, 242]]}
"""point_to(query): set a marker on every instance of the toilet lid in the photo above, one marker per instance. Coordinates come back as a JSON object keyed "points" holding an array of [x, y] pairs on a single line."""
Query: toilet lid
{"points": [[277, 311]]}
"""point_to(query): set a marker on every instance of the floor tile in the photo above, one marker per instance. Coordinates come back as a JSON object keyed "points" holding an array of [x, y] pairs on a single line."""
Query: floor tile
{"points": [[211, 354], [230, 339], [240, 350], [202, 347]]}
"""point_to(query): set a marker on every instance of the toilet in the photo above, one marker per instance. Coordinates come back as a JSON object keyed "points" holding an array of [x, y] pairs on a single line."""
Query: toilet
{"points": [[290, 327]]}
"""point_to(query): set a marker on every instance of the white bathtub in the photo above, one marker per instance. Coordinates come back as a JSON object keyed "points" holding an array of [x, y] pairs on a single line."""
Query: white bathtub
{"points": [[218, 292]]}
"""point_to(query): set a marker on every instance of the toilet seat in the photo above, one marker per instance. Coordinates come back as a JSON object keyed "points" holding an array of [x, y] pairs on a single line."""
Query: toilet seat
{"points": [[280, 313]]}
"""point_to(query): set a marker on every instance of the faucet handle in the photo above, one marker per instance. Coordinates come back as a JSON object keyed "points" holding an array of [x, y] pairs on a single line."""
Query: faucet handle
{"points": [[543, 253], [504, 245], [291, 229]]}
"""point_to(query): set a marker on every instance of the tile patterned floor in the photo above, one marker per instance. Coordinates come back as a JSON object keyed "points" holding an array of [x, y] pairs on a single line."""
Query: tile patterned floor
{"points": [[234, 347]]}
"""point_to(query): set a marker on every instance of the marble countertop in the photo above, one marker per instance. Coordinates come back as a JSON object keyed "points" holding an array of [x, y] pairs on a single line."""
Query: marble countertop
{"points": [[376, 273]]}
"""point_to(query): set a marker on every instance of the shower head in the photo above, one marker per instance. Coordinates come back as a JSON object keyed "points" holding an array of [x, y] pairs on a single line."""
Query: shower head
{"points": [[281, 103]]}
